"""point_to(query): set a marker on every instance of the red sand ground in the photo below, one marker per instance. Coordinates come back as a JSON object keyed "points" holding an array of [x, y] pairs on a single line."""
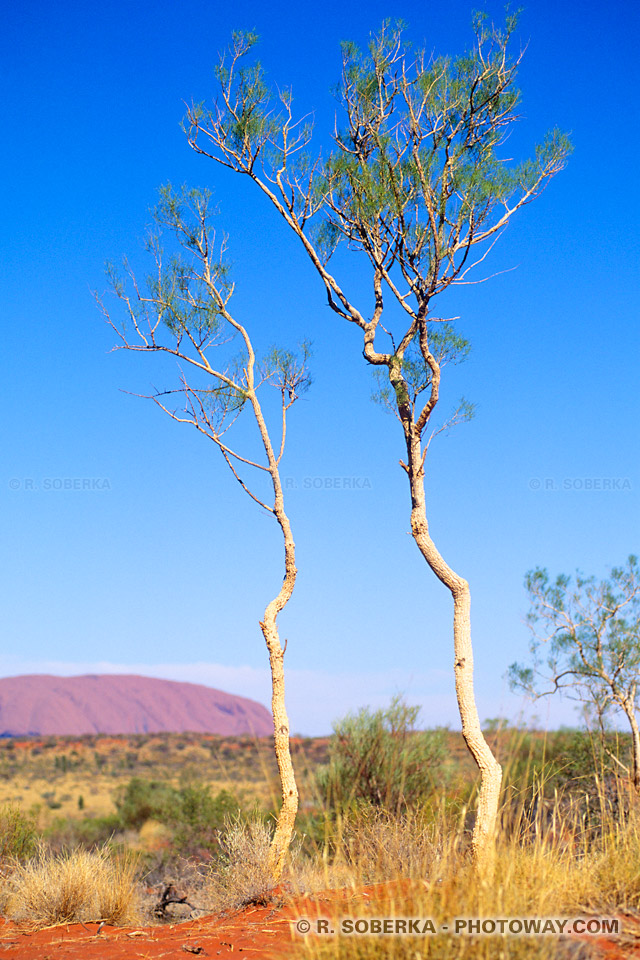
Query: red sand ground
{"points": [[257, 933]]}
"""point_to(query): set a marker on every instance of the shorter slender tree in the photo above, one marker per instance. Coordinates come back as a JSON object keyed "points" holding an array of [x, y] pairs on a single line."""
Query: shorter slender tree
{"points": [[586, 644], [184, 311]]}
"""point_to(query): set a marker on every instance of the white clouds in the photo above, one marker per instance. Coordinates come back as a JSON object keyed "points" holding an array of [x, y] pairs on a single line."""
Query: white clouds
{"points": [[316, 698]]}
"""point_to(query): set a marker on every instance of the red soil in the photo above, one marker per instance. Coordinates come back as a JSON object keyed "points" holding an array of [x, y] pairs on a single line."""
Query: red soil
{"points": [[258, 932]]}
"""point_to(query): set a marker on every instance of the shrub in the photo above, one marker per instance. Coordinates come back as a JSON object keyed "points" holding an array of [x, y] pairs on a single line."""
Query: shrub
{"points": [[378, 758], [568, 757], [144, 800], [17, 833], [193, 815], [200, 817], [90, 832], [76, 886], [241, 875], [565, 771]]}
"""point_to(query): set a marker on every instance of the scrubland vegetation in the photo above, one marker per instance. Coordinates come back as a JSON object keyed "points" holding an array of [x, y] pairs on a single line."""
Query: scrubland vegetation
{"points": [[172, 846]]}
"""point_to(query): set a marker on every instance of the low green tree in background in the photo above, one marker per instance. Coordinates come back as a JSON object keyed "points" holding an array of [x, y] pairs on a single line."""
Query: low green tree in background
{"points": [[586, 644]]}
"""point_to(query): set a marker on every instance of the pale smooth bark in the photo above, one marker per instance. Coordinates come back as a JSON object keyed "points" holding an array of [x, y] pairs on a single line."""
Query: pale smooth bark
{"points": [[483, 836], [287, 816]]}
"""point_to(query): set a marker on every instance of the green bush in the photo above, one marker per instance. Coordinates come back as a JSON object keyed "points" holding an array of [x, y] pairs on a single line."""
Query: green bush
{"points": [[89, 833], [194, 816], [564, 774], [143, 800], [18, 837], [201, 817], [378, 758], [567, 760]]}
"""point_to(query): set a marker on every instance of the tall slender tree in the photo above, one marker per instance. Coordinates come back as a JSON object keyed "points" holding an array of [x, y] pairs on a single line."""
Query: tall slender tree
{"points": [[184, 310], [417, 181]]}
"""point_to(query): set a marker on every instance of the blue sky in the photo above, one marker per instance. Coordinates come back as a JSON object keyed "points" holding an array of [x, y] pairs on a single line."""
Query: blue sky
{"points": [[165, 567]]}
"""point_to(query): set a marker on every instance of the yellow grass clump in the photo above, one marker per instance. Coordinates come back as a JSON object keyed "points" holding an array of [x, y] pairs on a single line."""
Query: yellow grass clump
{"points": [[75, 886], [421, 868]]}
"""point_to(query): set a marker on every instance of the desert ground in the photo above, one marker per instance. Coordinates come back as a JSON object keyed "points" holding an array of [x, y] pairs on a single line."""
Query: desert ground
{"points": [[158, 811]]}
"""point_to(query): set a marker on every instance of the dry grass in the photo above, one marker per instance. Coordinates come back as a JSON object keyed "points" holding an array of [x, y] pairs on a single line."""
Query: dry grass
{"points": [[380, 846], [75, 886], [562, 869], [557, 856], [241, 876]]}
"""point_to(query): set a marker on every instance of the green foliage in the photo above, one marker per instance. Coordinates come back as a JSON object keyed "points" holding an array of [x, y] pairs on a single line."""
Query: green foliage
{"points": [[418, 174], [194, 816], [88, 833], [565, 759], [181, 296], [378, 758], [416, 375], [417, 179], [143, 800], [445, 345], [564, 774], [186, 294], [183, 309], [18, 837], [252, 121], [226, 397], [201, 817], [288, 369], [586, 637], [419, 159]]}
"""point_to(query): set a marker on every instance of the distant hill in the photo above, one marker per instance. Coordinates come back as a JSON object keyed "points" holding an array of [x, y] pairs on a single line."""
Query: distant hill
{"points": [[40, 705]]}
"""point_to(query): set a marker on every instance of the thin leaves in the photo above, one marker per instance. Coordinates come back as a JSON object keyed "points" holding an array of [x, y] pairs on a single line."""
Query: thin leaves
{"points": [[585, 637], [183, 309]]}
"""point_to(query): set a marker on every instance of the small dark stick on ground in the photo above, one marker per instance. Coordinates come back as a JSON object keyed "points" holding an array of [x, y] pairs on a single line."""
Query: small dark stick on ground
{"points": [[169, 896]]}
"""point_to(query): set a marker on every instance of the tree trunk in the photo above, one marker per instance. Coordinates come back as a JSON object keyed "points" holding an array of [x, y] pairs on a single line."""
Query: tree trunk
{"points": [[635, 743], [490, 770], [287, 816]]}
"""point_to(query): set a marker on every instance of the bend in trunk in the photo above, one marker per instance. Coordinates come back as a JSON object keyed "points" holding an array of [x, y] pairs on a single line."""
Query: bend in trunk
{"points": [[490, 770], [269, 626]]}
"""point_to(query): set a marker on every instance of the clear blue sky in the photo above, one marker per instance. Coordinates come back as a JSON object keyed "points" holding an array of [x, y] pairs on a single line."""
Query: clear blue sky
{"points": [[167, 568]]}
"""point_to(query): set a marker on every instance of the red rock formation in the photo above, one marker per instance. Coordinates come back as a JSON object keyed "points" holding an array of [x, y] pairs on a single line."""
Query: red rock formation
{"points": [[112, 703]]}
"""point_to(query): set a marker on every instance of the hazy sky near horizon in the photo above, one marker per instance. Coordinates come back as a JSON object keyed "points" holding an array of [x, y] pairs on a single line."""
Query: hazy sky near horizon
{"points": [[163, 566]]}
